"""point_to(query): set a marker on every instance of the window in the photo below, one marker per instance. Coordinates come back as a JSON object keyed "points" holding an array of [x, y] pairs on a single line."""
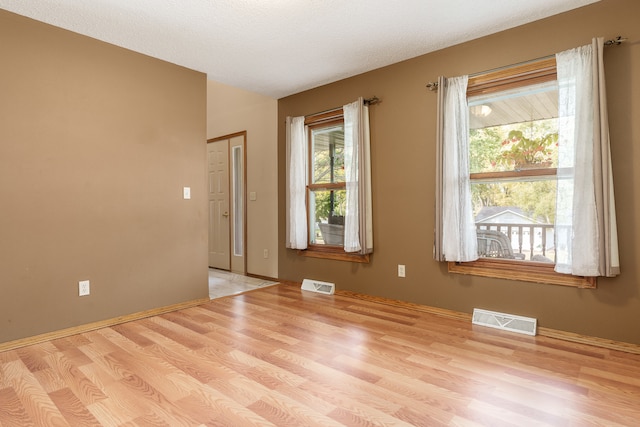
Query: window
{"points": [[329, 184], [326, 197], [513, 160], [238, 198], [513, 156], [524, 183]]}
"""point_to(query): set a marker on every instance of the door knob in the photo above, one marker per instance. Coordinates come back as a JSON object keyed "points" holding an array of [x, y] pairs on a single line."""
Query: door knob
{"points": [[225, 214]]}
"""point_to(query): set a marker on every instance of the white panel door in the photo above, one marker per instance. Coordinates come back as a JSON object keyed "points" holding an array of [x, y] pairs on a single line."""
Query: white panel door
{"points": [[219, 218]]}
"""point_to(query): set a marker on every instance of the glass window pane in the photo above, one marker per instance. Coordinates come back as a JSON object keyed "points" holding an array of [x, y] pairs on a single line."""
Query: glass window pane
{"points": [[328, 154], [521, 212], [326, 220], [238, 214], [515, 129]]}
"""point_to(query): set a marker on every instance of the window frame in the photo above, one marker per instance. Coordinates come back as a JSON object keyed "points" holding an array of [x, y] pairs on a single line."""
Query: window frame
{"points": [[315, 121], [529, 73]]}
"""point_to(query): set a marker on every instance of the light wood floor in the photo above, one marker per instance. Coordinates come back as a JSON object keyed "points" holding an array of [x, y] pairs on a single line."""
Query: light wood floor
{"points": [[278, 356]]}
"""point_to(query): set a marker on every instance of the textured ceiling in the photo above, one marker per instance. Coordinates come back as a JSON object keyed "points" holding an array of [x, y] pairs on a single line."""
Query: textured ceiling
{"points": [[281, 47]]}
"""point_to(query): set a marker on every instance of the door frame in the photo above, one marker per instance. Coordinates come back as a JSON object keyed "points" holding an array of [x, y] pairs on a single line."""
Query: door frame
{"points": [[232, 226]]}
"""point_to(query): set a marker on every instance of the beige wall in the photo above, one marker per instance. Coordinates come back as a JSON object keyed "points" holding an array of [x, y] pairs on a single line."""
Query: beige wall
{"points": [[96, 143], [231, 110], [403, 135]]}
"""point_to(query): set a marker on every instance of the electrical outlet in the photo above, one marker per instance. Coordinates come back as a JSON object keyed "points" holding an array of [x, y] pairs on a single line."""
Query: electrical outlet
{"points": [[266, 253], [84, 288], [401, 270]]}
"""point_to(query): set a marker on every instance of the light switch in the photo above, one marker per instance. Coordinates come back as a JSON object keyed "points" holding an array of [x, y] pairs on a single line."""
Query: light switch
{"points": [[186, 193], [252, 196]]}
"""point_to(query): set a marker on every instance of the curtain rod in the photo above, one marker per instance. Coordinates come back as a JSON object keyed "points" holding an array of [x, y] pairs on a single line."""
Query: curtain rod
{"points": [[366, 101], [372, 101], [432, 86], [615, 42]]}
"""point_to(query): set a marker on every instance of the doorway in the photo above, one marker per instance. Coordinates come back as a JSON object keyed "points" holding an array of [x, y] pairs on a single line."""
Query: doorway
{"points": [[226, 172]]}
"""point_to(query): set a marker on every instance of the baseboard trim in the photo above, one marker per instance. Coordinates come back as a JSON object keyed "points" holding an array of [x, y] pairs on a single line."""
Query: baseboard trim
{"points": [[594, 341], [409, 305], [545, 332], [63, 333]]}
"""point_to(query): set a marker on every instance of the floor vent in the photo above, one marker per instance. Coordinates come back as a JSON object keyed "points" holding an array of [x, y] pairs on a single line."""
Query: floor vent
{"points": [[318, 286], [507, 322]]}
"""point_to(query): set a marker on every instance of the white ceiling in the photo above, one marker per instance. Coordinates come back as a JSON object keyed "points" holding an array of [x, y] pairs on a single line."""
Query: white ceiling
{"points": [[518, 105], [281, 47]]}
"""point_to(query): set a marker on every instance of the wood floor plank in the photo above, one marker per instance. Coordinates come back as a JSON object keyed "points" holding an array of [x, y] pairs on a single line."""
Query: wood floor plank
{"points": [[115, 408], [411, 392], [283, 411], [131, 331], [33, 358], [74, 411], [34, 399], [227, 410], [342, 389], [151, 369], [49, 380], [420, 418], [81, 386], [149, 420], [12, 411], [199, 368], [279, 356], [282, 376]]}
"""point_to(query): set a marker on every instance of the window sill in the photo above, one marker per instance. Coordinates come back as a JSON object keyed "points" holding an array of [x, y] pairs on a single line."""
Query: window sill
{"points": [[333, 253], [523, 271]]}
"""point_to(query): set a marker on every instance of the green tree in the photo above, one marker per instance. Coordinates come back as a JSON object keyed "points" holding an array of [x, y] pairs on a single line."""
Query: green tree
{"points": [[329, 203], [535, 198], [328, 167], [484, 148]]}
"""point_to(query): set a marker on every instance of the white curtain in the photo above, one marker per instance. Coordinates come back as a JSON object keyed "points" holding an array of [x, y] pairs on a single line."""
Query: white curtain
{"points": [[586, 231], [296, 178], [455, 232], [358, 224]]}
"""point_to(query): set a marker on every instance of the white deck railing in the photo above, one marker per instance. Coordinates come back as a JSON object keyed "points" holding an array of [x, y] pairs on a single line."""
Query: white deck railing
{"points": [[527, 239]]}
